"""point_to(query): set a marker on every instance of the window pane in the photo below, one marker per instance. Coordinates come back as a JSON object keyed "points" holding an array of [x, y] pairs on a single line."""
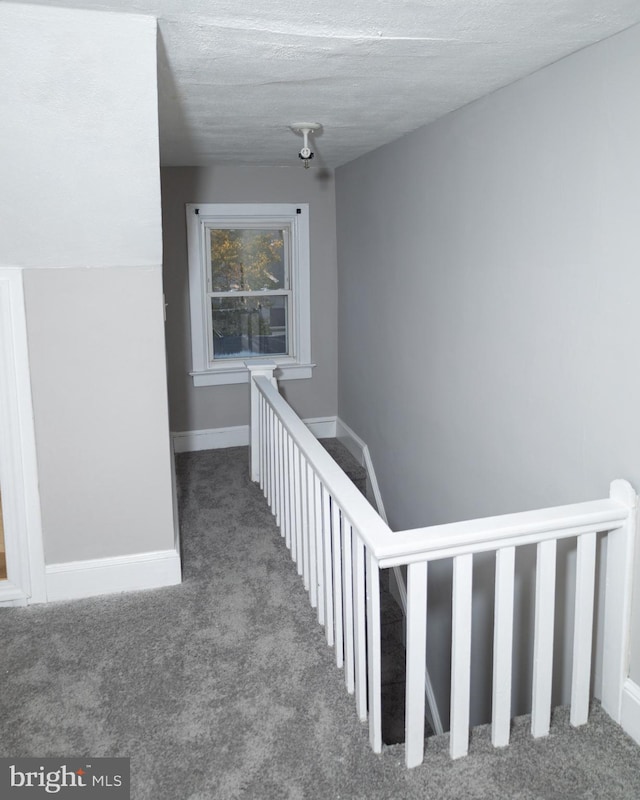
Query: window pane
{"points": [[247, 259], [245, 327]]}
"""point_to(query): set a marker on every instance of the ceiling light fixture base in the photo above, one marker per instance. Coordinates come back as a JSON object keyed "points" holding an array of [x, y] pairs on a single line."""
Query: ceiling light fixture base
{"points": [[305, 128], [301, 127]]}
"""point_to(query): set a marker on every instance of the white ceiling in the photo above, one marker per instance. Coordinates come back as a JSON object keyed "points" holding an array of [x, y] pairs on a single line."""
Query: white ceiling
{"points": [[234, 73]]}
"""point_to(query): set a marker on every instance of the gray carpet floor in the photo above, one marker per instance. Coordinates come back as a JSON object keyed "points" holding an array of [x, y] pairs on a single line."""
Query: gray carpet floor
{"points": [[223, 687]]}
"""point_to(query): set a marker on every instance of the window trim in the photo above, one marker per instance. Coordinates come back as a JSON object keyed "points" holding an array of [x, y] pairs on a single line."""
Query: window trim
{"points": [[296, 216]]}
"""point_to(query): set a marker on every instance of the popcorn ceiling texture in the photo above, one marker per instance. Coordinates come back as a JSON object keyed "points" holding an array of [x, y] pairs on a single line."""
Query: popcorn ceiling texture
{"points": [[233, 76]]}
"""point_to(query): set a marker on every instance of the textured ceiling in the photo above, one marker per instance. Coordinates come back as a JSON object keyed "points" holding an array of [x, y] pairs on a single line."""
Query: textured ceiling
{"points": [[233, 75]]}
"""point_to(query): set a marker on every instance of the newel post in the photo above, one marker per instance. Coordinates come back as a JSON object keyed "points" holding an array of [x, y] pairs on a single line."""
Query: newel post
{"points": [[617, 601], [261, 369]]}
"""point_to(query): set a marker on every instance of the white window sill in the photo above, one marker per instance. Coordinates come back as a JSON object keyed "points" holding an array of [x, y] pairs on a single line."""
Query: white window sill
{"points": [[238, 373]]}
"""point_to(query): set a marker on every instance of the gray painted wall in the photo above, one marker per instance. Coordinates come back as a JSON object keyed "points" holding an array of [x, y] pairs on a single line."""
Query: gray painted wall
{"points": [[100, 406], [205, 407], [488, 310], [80, 210]]}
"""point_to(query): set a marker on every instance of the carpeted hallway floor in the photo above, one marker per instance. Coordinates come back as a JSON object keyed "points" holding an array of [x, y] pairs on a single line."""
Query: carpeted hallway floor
{"points": [[224, 688]]}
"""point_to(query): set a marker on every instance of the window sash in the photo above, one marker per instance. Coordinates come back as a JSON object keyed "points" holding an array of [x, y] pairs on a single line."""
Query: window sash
{"points": [[288, 292], [256, 293], [269, 225], [289, 327]]}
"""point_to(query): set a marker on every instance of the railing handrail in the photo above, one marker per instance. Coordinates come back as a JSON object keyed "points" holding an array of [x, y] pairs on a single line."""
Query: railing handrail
{"points": [[373, 530], [488, 533], [394, 548]]}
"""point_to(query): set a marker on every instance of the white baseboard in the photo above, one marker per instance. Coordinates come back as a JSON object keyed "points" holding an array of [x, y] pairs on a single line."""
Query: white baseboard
{"points": [[77, 579], [630, 717], [211, 439], [238, 436], [322, 427], [350, 440]]}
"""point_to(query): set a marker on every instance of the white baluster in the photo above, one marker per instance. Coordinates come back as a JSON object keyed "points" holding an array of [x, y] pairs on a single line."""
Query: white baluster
{"points": [[317, 504], [297, 478], [583, 628], [360, 644], [328, 568], [373, 653], [274, 466], [263, 447], [461, 655], [502, 647], [286, 526], [311, 510], [336, 528], [304, 522], [267, 411], [543, 638], [269, 455], [347, 602], [277, 482], [291, 542], [274, 490], [282, 444], [416, 663]]}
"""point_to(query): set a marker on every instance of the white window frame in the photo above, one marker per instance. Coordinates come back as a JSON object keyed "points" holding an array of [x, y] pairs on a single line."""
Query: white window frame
{"points": [[295, 216]]}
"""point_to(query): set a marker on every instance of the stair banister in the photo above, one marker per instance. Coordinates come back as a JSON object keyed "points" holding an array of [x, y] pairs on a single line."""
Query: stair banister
{"points": [[484, 534], [339, 544], [374, 531]]}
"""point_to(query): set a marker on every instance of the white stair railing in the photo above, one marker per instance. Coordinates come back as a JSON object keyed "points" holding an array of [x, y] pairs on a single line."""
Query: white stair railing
{"points": [[340, 543]]}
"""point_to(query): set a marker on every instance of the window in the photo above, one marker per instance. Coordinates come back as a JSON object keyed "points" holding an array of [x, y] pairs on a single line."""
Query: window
{"points": [[249, 290]]}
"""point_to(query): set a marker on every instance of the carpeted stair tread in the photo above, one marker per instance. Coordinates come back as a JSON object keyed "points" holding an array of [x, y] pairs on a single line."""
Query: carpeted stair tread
{"points": [[356, 472]]}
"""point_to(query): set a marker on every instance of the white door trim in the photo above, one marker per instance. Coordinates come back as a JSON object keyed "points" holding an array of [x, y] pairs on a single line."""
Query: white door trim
{"points": [[18, 461], [630, 718]]}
